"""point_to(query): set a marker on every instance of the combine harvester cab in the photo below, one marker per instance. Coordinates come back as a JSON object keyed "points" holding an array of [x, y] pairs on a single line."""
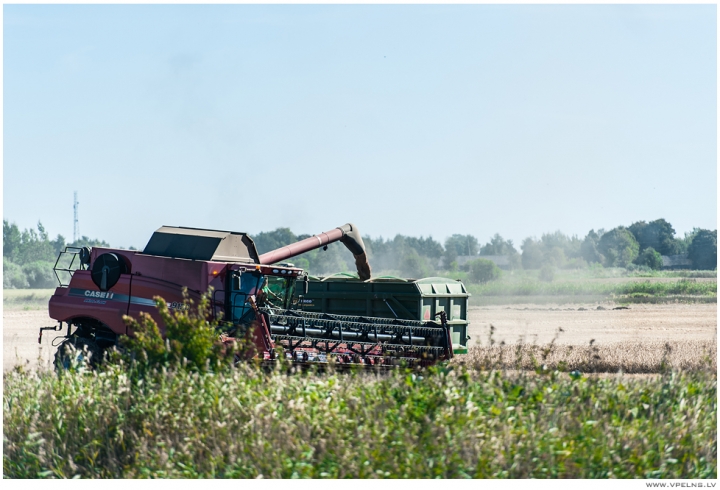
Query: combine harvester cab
{"points": [[249, 296]]}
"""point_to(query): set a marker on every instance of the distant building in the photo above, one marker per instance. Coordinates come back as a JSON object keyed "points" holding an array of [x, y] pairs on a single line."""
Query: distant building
{"points": [[680, 261]]}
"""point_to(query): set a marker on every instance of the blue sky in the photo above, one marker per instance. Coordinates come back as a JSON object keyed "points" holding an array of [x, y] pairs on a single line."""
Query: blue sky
{"points": [[419, 120]]}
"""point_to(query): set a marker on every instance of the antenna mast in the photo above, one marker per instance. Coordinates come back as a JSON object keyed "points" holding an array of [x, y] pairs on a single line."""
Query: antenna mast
{"points": [[76, 227]]}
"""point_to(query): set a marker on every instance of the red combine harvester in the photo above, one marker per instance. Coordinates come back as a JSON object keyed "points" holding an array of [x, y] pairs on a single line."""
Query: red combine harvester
{"points": [[251, 298]]}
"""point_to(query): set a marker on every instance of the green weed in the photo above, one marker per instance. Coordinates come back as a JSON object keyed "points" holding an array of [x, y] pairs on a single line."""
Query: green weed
{"points": [[445, 422], [500, 417]]}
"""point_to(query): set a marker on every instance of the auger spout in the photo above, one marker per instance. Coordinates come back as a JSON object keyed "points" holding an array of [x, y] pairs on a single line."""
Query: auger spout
{"points": [[348, 234]]}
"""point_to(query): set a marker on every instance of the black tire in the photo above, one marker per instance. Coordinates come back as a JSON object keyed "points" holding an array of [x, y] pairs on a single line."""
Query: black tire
{"points": [[78, 351]]}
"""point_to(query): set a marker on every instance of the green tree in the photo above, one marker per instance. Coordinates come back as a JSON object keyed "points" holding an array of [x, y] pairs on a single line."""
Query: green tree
{"points": [[483, 270], [13, 276], [553, 249], [532, 254], [555, 257], [570, 245], [589, 248], [650, 258], [498, 246], [268, 241], [703, 250], [40, 274], [684, 243], [389, 254], [426, 247], [414, 265], [58, 244], [377, 249], [658, 235], [619, 247], [457, 244], [33, 255], [27, 246], [83, 241], [12, 239], [559, 248], [337, 258]]}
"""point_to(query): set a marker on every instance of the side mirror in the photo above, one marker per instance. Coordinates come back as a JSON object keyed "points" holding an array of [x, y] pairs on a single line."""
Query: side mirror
{"points": [[304, 284], [235, 281]]}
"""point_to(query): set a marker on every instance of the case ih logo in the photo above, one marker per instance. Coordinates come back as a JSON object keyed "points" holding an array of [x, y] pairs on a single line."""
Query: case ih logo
{"points": [[100, 297], [99, 294]]}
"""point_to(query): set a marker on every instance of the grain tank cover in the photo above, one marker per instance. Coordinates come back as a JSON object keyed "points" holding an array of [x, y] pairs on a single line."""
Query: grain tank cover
{"points": [[199, 244]]}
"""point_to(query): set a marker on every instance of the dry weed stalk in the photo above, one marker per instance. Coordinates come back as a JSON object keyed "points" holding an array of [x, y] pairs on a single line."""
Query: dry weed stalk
{"points": [[628, 357]]}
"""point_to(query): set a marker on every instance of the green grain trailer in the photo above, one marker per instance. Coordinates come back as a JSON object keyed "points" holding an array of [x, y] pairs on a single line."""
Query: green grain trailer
{"points": [[391, 297]]}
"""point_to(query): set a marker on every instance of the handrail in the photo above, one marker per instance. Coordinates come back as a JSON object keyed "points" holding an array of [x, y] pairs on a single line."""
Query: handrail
{"points": [[69, 269]]}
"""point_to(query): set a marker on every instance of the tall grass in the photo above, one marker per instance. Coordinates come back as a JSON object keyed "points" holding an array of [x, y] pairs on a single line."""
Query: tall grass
{"points": [[164, 416], [444, 422]]}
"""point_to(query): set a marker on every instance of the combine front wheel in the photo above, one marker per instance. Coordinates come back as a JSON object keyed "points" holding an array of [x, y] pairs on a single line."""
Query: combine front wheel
{"points": [[77, 351]]}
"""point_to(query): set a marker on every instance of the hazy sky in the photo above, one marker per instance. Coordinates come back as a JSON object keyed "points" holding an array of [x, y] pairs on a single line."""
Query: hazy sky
{"points": [[419, 120]]}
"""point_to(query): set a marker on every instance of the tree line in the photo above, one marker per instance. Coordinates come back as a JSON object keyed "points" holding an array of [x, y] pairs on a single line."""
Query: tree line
{"points": [[638, 246], [29, 255]]}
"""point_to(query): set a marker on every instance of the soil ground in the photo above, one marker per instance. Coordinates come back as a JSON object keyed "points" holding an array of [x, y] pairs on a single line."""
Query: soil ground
{"points": [[583, 323], [535, 324], [20, 339]]}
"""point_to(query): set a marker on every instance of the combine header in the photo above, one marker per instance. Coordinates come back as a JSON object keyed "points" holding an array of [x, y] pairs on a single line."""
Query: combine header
{"points": [[252, 298], [363, 340]]}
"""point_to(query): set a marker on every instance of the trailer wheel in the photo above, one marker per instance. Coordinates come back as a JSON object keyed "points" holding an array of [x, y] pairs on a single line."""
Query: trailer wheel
{"points": [[77, 351]]}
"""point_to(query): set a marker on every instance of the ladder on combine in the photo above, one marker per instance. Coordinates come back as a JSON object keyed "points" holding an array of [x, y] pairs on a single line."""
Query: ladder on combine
{"points": [[320, 337]]}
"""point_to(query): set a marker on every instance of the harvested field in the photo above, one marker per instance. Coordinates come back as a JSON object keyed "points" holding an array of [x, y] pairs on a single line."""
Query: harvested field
{"points": [[641, 324], [647, 357], [599, 322], [20, 339]]}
